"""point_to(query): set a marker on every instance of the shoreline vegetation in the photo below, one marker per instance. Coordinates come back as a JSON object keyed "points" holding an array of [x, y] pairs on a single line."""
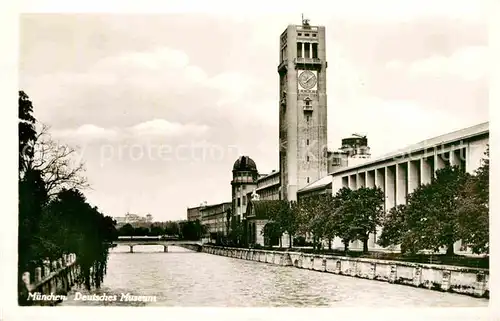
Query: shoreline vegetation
{"points": [[55, 218]]}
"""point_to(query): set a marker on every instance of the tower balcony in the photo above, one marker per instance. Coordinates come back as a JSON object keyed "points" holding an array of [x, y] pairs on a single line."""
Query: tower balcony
{"points": [[308, 108], [244, 180], [314, 62]]}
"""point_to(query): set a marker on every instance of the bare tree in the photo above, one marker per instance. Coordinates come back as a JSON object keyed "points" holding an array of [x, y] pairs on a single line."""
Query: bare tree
{"points": [[60, 164]]}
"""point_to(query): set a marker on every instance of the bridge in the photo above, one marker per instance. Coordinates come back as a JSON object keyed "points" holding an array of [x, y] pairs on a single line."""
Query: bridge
{"points": [[132, 241]]}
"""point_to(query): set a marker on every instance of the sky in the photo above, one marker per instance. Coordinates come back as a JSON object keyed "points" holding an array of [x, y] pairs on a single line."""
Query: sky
{"points": [[161, 105]]}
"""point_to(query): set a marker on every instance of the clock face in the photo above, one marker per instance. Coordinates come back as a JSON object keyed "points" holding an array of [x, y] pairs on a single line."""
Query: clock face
{"points": [[307, 79]]}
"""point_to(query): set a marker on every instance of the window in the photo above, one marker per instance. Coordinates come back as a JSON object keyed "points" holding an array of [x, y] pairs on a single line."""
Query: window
{"points": [[307, 158], [307, 118], [307, 50], [300, 33], [307, 35], [314, 35], [315, 50], [299, 49], [308, 180], [307, 141], [239, 202], [244, 187], [244, 200]]}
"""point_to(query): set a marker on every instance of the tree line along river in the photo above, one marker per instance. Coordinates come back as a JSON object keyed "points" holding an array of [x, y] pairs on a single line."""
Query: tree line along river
{"points": [[182, 278]]}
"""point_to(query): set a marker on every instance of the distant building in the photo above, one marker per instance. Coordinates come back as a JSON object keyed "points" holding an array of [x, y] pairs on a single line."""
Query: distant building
{"points": [[336, 160], [215, 218], [194, 213], [134, 219], [268, 186], [356, 146]]}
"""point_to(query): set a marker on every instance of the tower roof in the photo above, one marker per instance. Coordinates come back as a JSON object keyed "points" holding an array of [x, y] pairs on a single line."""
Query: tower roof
{"points": [[244, 163]]}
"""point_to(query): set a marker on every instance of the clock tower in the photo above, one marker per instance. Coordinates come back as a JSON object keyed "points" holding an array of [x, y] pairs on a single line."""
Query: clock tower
{"points": [[302, 107]]}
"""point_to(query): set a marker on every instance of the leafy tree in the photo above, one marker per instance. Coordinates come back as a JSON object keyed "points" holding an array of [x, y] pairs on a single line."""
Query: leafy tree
{"points": [[343, 216], [236, 231], [312, 217], [432, 212], [329, 218], [191, 230], [286, 216], [473, 214], [291, 222], [32, 199], [172, 228], [156, 230], [368, 205], [394, 227], [271, 231], [66, 223], [32, 192], [141, 231], [70, 224], [274, 211], [27, 132], [127, 230]]}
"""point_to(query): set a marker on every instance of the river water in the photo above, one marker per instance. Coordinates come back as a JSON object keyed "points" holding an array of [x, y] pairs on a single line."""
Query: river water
{"points": [[182, 278]]}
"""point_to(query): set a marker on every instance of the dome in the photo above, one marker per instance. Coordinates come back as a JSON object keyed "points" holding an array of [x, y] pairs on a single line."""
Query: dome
{"points": [[244, 163]]}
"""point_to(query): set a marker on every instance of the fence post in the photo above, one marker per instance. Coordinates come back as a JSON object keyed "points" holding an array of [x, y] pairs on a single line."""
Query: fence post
{"points": [[26, 280], [38, 274]]}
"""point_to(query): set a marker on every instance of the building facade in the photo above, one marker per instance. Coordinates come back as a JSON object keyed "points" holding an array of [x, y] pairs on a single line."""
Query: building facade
{"points": [[267, 189], [194, 213], [245, 177], [302, 107], [135, 220], [268, 186], [215, 218], [400, 172]]}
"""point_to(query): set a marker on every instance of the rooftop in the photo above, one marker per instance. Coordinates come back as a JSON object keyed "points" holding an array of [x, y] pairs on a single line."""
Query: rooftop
{"points": [[448, 138], [214, 205], [263, 177], [322, 182], [244, 163]]}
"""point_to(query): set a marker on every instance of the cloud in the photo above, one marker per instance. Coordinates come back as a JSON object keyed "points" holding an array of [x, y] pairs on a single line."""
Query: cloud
{"points": [[164, 128], [159, 128], [159, 58], [86, 132], [469, 63]]}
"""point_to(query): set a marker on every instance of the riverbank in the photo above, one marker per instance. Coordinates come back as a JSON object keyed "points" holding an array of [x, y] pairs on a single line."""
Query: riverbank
{"points": [[470, 261], [445, 278]]}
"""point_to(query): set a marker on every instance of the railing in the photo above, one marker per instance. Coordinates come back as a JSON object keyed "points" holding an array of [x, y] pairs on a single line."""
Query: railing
{"points": [[56, 277], [148, 238], [307, 61]]}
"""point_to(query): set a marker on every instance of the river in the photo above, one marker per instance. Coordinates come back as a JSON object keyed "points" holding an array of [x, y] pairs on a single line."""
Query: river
{"points": [[183, 278]]}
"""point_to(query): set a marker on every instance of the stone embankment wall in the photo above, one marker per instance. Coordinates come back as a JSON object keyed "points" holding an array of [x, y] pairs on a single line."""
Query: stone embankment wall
{"points": [[193, 247], [56, 278], [462, 280]]}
